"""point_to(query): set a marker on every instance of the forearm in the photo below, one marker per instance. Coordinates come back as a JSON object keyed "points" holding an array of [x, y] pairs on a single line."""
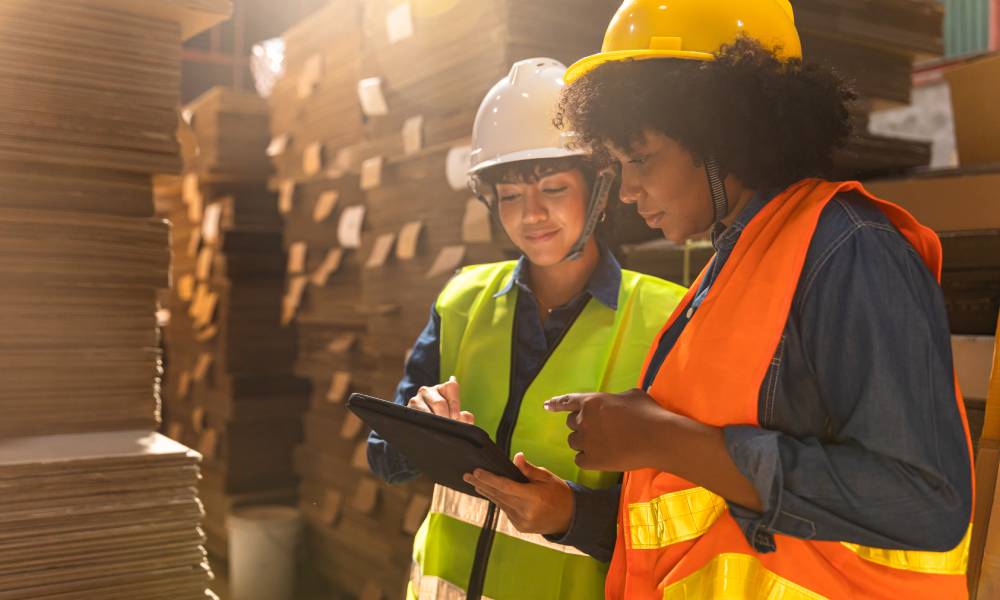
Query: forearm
{"points": [[698, 453]]}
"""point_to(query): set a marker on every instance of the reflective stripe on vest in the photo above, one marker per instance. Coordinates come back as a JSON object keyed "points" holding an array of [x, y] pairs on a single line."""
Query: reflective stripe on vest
{"points": [[603, 350], [675, 540]]}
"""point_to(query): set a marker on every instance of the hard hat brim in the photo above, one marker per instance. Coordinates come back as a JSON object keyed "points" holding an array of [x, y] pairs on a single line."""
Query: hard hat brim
{"points": [[589, 63], [534, 154]]}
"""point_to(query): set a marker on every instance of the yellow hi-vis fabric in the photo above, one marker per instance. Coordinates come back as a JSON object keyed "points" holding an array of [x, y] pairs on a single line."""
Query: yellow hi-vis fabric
{"points": [[602, 351]]}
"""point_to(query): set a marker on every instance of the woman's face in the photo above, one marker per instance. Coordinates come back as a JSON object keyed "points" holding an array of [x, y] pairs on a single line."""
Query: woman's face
{"points": [[544, 218], [668, 190]]}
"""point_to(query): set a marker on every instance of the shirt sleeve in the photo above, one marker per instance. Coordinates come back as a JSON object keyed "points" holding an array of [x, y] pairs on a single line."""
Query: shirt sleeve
{"points": [[422, 369], [892, 469], [593, 529]]}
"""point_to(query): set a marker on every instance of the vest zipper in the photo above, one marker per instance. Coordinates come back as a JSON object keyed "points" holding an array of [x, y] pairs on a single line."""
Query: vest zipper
{"points": [[504, 437]]}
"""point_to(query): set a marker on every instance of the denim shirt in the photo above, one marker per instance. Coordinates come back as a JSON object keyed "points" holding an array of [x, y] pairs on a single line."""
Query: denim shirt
{"points": [[860, 438], [594, 509]]}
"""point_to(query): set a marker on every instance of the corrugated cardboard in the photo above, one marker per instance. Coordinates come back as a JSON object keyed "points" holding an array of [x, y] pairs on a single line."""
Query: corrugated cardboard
{"points": [[954, 200], [974, 86]]}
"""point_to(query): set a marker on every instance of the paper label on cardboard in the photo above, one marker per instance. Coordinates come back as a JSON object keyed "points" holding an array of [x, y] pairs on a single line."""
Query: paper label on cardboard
{"points": [[194, 243], [203, 267], [198, 419], [351, 427], [312, 159], [207, 333], [312, 72], [340, 384], [184, 384], [366, 495], [457, 167], [331, 507], [399, 23], [342, 343], [352, 219], [293, 298], [175, 431], [360, 458], [278, 145], [449, 259], [286, 196], [185, 287], [381, 251], [207, 313], [202, 365], [297, 257], [190, 190], [371, 173], [413, 135], [371, 97], [324, 205], [476, 224], [330, 265], [211, 223], [208, 444], [409, 238], [416, 510]]}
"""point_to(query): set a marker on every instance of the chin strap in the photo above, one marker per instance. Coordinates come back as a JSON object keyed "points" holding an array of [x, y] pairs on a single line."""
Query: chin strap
{"points": [[595, 210], [717, 187]]}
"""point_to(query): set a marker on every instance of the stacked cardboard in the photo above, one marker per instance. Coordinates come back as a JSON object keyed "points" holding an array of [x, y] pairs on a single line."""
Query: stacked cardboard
{"points": [[369, 137], [90, 509], [100, 515], [230, 391]]}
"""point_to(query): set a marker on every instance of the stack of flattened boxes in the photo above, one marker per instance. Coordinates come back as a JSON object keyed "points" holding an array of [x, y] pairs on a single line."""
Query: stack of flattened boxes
{"points": [[95, 504], [230, 390], [370, 139]]}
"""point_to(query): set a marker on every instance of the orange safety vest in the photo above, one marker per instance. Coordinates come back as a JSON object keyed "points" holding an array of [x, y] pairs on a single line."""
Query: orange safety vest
{"points": [[677, 540]]}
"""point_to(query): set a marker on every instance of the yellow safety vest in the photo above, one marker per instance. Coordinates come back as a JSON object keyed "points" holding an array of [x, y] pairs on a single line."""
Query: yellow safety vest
{"points": [[603, 350]]}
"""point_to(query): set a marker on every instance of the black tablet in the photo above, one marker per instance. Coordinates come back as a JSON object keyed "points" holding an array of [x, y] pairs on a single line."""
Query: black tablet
{"points": [[441, 449]]}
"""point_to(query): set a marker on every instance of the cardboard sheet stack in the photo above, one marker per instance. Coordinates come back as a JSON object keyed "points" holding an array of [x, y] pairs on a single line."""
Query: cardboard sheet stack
{"points": [[100, 515], [370, 134], [94, 505], [230, 391]]}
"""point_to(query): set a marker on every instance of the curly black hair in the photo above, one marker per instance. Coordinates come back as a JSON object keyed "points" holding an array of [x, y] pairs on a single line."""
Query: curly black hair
{"points": [[766, 121]]}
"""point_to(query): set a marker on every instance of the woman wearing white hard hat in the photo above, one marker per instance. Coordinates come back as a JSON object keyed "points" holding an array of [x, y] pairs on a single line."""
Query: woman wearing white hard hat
{"points": [[563, 318]]}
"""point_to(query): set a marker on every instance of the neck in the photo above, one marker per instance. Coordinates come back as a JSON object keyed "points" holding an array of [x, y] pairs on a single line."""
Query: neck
{"points": [[557, 284], [739, 196]]}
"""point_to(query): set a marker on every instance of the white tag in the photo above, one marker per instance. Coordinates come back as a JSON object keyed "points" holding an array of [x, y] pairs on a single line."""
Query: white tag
{"points": [[349, 228], [413, 135], [457, 167], [278, 145], [325, 205], [210, 222], [371, 173], [476, 223], [447, 261], [381, 251], [371, 97], [399, 23]]}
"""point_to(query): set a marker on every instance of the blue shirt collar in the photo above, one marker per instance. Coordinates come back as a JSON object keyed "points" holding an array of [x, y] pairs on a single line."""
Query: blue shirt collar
{"points": [[726, 237], [604, 284]]}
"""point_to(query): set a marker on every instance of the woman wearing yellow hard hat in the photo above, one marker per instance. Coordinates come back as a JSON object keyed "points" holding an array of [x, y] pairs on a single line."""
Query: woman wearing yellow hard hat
{"points": [[798, 432]]}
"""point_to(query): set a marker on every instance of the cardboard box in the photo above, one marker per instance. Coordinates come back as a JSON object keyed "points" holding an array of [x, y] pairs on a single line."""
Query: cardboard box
{"points": [[973, 357], [974, 85], [952, 200]]}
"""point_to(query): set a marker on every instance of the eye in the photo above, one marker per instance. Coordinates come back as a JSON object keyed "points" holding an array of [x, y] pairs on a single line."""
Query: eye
{"points": [[509, 197], [555, 190], [638, 159]]}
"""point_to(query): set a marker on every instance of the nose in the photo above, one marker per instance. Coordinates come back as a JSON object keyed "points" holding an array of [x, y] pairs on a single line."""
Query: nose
{"points": [[631, 190], [535, 209]]}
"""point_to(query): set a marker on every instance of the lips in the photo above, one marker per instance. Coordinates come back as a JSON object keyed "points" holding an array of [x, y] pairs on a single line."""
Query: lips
{"points": [[653, 219], [541, 236]]}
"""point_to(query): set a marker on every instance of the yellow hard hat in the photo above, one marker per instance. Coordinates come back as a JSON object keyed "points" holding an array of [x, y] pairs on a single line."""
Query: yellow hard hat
{"points": [[691, 29]]}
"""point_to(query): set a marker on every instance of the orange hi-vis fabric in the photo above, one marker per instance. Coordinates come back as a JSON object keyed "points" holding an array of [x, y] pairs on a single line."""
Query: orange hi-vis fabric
{"points": [[677, 540]]}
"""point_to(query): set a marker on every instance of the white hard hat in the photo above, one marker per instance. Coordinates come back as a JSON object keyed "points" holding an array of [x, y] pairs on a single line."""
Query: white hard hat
{"points": [[514, 121]]}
